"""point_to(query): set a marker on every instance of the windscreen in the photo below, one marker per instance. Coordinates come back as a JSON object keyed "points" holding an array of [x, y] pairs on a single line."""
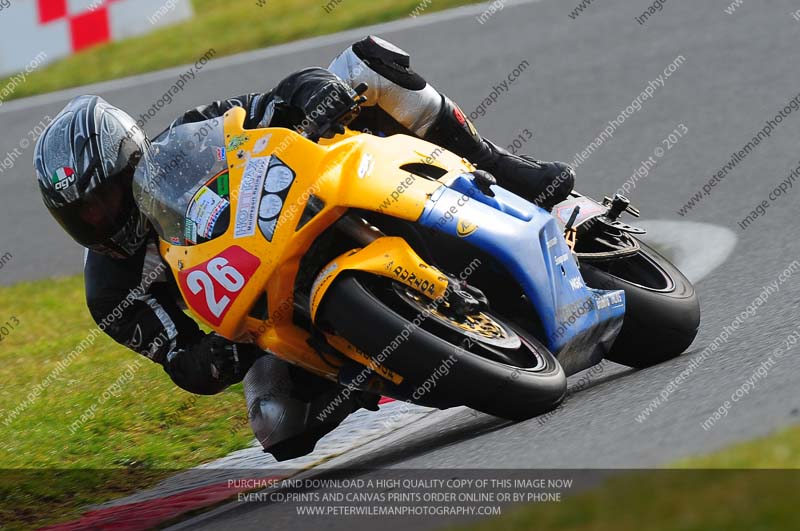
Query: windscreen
{"points": [[181, 185]]}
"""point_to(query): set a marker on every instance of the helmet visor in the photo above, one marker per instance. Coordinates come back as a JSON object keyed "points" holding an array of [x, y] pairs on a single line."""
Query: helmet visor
{"points": [[100, 213]]}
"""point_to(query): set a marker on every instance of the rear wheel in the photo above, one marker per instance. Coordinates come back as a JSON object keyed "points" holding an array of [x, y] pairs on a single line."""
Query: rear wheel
{"points": [[481, 361], [662, 312]]}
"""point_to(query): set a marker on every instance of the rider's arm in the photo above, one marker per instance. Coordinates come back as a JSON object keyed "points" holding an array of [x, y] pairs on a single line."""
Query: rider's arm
{"points": [[255, 105], [147, 319], [300, 92], [299, 88]]}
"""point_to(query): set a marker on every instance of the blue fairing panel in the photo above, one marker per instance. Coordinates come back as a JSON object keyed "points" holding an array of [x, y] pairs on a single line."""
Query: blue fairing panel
{"points": [[580, 323]]}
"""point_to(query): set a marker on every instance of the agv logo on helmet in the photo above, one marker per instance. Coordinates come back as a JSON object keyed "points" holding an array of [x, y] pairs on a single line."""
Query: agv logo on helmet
{"points": [[63, 178]]}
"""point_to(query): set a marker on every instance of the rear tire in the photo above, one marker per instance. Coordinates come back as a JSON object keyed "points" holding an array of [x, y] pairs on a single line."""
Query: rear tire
{"points": [[662, 312], [521, 381]]}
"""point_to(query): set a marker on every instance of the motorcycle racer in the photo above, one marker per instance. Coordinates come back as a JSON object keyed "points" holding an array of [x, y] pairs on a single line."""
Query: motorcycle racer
{"points": [[85, 161]]}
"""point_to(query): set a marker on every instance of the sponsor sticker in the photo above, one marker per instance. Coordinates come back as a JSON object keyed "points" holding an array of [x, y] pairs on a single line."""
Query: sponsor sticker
{"points": [[576, 283], [190, 231], [223, 185], [249, 195], [612, 299], [411, 279], [237, 141], [63, 178], [204, 211], [220, 151], [465, 227]]}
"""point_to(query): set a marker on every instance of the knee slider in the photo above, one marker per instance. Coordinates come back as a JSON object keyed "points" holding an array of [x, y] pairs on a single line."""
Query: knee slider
{"points": [[276, 418]]}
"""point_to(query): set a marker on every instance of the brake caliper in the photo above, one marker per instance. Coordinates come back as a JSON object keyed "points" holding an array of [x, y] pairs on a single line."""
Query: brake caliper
{"points": [[463, 300]]}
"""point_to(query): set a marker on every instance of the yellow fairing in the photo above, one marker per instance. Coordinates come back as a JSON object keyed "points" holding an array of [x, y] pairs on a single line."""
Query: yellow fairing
{"points": [[352, 171]]}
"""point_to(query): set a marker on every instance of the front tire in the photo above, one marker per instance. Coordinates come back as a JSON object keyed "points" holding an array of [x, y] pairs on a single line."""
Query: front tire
{"points": [[507, 374], [662, 312]]}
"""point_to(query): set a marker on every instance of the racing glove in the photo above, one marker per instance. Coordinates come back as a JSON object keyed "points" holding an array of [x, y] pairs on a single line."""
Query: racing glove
{"points": [[328, 109], [211, 364]]}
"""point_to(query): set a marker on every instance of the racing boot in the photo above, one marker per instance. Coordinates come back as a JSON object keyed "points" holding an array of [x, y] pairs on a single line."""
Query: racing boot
{"points": [[543, 183]]}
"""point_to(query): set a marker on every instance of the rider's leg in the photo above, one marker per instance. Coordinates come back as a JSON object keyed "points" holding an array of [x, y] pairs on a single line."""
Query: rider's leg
{"points": [[290, 409], [400, 101]]}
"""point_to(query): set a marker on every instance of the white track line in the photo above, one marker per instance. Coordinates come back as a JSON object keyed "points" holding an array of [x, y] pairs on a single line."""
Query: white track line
{"points": [[697, 249]]}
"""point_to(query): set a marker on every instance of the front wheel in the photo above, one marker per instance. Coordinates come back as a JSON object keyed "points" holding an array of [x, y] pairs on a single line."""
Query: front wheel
{"points": [[481, 361], [662, 312]]}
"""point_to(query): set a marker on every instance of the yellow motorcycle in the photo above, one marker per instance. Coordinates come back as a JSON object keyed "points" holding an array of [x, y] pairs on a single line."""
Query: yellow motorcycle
{"points": [[386, 264]]}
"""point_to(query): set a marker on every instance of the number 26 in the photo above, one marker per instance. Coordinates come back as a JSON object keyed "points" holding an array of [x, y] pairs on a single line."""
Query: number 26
{"points": [[227, 276]]}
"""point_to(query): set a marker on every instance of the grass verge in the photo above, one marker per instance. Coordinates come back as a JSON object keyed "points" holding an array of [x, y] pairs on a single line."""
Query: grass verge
{"points": [[700, 494], [227, 27], [142, 425]]}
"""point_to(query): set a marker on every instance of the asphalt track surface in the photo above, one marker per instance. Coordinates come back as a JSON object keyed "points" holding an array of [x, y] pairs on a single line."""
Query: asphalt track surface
{"points": [[739, 71]]}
